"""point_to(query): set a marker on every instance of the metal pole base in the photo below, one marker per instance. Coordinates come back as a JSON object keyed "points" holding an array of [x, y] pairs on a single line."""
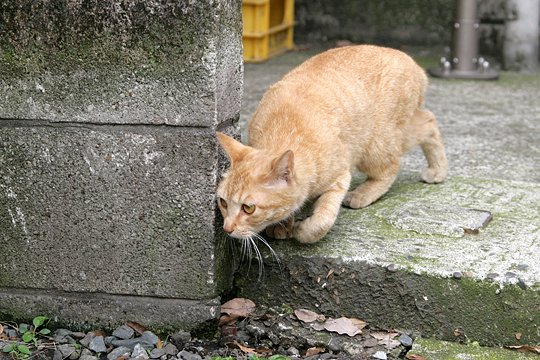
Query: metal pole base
{"points": [[480, 74]]}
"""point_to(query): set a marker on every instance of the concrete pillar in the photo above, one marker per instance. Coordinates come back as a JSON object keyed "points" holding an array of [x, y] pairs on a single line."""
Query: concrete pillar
{"points": [[108, 159], [520, 48]]}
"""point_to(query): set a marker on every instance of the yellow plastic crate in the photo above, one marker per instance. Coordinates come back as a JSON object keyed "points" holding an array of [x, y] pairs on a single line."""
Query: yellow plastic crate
{"points": [[267, 28]]}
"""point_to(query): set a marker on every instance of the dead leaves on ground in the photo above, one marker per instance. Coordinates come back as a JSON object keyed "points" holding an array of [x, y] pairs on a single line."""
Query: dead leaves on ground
{"points": [[342, 325]]}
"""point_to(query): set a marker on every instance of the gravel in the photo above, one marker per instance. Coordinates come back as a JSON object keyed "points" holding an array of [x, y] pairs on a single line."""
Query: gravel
{"points": [[266, 333]]}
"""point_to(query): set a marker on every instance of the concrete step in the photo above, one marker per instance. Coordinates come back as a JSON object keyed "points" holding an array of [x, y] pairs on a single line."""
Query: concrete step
{"points": [[422, 258]]}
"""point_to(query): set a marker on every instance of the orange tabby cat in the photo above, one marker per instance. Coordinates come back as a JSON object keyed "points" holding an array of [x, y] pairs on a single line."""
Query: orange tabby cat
{"points": [[354, 107]]}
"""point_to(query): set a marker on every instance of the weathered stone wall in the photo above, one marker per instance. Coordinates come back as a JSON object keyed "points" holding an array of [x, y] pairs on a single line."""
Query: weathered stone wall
{"points": [[108, 159]]}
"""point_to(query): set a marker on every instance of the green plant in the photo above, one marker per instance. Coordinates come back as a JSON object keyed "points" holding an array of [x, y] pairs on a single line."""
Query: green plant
{"points": [[18, 351], [31, 334]]}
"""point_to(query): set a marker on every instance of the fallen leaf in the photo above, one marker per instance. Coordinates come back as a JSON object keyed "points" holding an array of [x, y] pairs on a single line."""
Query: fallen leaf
{"points": [[359, 323], [1, 329], [238, 307], [386, 339], [518, 336], [414, 357], [329, 273], [314, 351], [525, 348], [159, 344], [245, 349], [139, 329], [227, 320], [100, 333], [317, 326], [342, 326], [305, 315]]}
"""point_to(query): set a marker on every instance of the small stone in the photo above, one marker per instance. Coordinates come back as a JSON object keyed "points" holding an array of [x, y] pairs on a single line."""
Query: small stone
{"points": [[334, 344], [244, 336], [86, 352], [468, 274], [60, 336], [522, 267], [510, 275], [57, 355], [186, 355], [131, 343], [522, 284], [170, 349], [406, 340], [139, 352], [370, 342], [77, 334], [381, 355], [150, 337], [180, 338], [457, 275], [157, 353], [87, 339], [66, 350], [10, 333], [292, 351], [492, 276], [109, 340], [391, 268], [98, 345], [256, 330], [88, 357], [123, 332], [119, 351]]}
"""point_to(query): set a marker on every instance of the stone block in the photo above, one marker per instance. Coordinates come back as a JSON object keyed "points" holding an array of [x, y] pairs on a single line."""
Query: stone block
{"points": [[122, 210], [120, 62], [108, 157]]}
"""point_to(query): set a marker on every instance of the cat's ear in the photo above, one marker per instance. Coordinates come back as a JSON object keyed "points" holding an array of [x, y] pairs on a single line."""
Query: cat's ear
{"points": [[234, 149], [283, 167]]}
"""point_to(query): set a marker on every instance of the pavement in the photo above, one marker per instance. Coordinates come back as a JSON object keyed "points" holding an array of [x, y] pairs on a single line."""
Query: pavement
{"points": [[454, 261]]}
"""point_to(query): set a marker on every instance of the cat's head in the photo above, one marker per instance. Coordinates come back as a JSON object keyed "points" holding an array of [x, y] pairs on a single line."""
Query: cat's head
{"points": [[258, 190]]}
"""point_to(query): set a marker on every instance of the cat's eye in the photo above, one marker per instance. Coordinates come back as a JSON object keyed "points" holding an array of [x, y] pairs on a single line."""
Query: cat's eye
{"points": [[248, 209], [223, 203]]}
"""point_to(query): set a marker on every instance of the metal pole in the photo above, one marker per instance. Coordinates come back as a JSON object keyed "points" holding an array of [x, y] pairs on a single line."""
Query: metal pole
{"points": [[465, 62]]}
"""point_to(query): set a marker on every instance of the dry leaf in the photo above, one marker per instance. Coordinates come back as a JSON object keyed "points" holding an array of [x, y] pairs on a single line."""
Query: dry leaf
{"points": [[245, 349], [525, 348], [386, 339], [305, 315], [139, 329], [159, 344], [342, 325], [329, 273], [314, 351], [359, 323], [227, 320], [518, 336], [238, 307], [414, 357], [100, 333], [1, 329]]}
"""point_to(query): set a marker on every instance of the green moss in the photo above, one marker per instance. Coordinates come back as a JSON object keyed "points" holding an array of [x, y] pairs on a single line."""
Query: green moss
{"points": [[442, 350]]}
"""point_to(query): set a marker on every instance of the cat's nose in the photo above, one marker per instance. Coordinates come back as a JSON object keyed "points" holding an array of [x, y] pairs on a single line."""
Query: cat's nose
{"points": [[228, 230]]}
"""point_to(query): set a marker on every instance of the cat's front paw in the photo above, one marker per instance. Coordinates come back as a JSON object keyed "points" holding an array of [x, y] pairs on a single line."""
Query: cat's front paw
{"points": [[281, 230], [356, 200], [433, 176], [307, 232]]}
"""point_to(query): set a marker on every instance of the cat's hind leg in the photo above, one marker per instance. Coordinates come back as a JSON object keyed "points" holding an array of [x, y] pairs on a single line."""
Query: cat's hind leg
{"points": [[325, 212], [430, 140], [381, 175]]}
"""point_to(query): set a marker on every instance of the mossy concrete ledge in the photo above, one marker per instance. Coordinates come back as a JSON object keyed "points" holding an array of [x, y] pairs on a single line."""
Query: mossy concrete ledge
{"points": [[418, 268], [108, 158]]}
